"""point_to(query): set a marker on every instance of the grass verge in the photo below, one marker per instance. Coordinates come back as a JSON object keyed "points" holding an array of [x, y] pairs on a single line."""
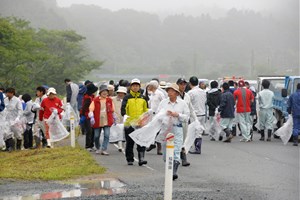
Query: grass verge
{"points": [[48, 164]]}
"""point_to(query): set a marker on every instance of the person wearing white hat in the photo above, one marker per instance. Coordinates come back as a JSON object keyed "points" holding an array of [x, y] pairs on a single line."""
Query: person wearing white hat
{"points": [[179, 113], [134, 105], [49, 105], [156, 96], [117, 100]]}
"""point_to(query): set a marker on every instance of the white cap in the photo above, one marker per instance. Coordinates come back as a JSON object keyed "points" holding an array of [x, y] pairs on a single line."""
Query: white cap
{"points": [[122, 89], [135, 80], [51, 90]]}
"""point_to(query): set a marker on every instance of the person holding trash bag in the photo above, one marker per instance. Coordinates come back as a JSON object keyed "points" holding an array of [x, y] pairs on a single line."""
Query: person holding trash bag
{"points": [[182, 83], [14, 111], [28, 137], [294, 109], [117, 100], [179, 113], [134, 105], [84, 118], [49, 105], [265, 102], [101, 117], [213, 102]]}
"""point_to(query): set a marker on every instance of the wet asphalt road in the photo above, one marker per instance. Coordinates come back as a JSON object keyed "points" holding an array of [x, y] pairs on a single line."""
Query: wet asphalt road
{"points": [[241, 171], [255, 170]]}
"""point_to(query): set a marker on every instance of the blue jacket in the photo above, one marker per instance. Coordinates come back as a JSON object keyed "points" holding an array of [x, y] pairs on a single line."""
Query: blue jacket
{"points": [[294, 104], [2, 105], [226, 108], [82, 91]]}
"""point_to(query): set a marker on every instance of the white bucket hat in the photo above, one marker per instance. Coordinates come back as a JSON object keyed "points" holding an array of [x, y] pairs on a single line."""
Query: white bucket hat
{"points": [[51, 90], [122, 89]]}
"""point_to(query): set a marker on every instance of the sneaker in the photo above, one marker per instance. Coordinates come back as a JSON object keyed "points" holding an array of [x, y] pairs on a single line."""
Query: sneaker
{"points": [[104, 153], [120, 150], [212, 139], [89, 149], [243, 140], [97, 151], [249, 140]]}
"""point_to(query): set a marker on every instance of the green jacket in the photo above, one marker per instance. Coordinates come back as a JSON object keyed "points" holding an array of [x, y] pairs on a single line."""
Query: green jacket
{"points": [[134, 105]]}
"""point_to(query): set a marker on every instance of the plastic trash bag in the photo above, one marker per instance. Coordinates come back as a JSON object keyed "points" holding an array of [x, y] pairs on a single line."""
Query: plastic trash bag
{"points": [[57, 130], [66, 115], [145, 136], [116, 133], [193, 131], [214, 129], [285, 132], [18, 127], [144, 119], [166, 127]]}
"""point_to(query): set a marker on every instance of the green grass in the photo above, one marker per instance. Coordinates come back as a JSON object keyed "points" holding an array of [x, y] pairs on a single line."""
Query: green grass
{"points": [[48, 164]]}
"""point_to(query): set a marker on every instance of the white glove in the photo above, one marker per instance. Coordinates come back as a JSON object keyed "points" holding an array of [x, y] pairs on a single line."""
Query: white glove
{"points": [[92, 120], [91, 114]]}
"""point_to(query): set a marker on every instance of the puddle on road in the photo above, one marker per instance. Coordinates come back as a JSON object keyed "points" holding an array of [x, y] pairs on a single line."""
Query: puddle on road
{"points": [[81, 189]]}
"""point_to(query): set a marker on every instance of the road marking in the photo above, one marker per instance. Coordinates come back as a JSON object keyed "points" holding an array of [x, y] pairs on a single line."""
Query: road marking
{"points": [[267, 158], [135, 159]]}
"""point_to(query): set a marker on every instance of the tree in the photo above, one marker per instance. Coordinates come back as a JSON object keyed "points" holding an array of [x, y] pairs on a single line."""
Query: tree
{"points": [[30, 58]]}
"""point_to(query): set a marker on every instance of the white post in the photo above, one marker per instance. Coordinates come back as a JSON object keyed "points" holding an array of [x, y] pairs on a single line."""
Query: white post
{"points": [[169, 166], [72, 129]]}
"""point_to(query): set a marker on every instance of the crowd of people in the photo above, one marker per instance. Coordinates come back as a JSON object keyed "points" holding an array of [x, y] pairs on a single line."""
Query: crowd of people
{"points": [[228, 107]]}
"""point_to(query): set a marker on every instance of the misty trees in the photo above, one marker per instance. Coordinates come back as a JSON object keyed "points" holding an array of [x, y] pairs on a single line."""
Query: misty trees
{"points": [[30, 57]]}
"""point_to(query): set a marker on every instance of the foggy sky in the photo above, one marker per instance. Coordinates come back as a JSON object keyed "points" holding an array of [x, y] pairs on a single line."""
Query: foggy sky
{"points": [[186, 6]]}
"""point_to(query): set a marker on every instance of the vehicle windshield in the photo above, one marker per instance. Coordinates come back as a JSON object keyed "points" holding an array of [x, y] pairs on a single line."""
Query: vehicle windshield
{"points": [[276, 85], [296, 81]]}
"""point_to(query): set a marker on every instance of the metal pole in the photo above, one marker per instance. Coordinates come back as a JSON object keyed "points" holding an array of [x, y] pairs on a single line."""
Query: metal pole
{"points": [[72, 128], [169, 166]]}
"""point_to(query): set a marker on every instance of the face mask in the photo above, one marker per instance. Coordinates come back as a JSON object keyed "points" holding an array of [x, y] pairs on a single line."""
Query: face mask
{"points": [[150, 92]]}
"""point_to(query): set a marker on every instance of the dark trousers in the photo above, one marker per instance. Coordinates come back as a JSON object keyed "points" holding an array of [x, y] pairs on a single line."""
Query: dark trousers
{"points": [[28, 136], [89, 134], [129, 145]]}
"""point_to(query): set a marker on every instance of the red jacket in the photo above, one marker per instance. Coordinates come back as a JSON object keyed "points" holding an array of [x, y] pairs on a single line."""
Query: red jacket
{"points": [[109, 111], [238, 96], [46, 106]]}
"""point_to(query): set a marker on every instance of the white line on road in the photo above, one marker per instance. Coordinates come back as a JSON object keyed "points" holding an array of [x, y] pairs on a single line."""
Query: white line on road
{"points": [[136, 159]]}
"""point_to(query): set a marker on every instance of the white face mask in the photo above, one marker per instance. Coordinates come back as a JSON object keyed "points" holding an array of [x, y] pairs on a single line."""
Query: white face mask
{"points": [[150, 93]]}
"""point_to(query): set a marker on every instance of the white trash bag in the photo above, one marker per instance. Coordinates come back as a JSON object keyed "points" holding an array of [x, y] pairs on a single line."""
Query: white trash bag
{"points": [[214, 129], [18, 127], [57, 130], [66, 115], [193, 131], [116, 133], [285, 132], [145, 136]]}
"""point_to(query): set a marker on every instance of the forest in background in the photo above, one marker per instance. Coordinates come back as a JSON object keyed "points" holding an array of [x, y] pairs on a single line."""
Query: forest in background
{"points": [[244, 42]]}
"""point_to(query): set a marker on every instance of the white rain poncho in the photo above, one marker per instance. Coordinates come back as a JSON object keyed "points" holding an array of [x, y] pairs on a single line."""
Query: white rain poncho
{"points": [[57, 130], [68, 111], [194, 129], [116, 133], [285, 132], [145, 136]]}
